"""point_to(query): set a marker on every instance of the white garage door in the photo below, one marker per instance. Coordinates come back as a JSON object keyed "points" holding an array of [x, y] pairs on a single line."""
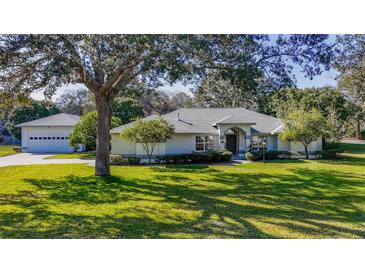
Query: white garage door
{"points": [[48, 142]]}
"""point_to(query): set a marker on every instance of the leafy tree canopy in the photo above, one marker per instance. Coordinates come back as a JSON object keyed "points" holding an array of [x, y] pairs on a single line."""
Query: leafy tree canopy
{"points": [[331, 102], [25, 113], [350, 62], [85, 130], [159, 102], [149, 133], [127, 109], [304, 126], [77, 102]]}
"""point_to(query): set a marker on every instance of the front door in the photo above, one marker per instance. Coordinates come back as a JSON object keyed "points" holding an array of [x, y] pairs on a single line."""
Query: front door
{"points": [[231, 143]]}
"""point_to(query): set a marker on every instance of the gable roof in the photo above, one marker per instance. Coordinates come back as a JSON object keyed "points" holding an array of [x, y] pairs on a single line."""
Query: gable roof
{"points": [[58, 120], [204, 120]]}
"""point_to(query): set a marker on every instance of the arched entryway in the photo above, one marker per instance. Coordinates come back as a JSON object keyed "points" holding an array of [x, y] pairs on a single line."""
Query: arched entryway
{"points": [[235, 140]]}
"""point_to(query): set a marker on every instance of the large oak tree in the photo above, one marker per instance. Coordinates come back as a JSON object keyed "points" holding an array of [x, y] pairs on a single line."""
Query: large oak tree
{"points": [[107, 64]]}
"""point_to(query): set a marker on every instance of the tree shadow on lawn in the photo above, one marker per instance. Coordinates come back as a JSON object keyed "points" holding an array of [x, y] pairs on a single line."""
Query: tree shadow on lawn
{"points": [[219, 204], [345, 160]]}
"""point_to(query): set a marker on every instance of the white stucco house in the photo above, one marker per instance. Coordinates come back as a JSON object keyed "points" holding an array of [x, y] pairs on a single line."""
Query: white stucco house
{"points": [[49, 134], [201, 129]]}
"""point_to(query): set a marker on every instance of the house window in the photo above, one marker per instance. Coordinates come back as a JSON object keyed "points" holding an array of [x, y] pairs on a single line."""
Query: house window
{"points": [[203, 143], [256, 144], [62, 138], [31, 138]]}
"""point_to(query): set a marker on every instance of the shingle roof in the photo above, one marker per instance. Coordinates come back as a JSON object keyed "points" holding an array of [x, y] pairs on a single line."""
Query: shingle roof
{"points": [[57, 120], [202, 120]]}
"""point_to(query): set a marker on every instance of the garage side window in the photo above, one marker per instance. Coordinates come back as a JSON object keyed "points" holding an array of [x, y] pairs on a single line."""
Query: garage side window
{"points": [[203, 143]]}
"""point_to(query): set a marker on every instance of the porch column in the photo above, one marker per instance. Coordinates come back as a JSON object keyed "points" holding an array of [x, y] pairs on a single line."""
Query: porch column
{"points": [[221, 138], [248, 140]]}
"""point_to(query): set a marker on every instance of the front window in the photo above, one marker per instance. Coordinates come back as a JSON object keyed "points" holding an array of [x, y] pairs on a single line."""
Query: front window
{"points": [[257, 144], [203, 143]]}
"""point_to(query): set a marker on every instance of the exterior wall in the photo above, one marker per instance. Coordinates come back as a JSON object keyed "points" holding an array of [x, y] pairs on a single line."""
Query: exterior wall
{"points": [[185, 143], [160, 149], [178, 144], [314, 146], [121, 146], [46, 145], [181, 144], [283, 145], [272, 142]]}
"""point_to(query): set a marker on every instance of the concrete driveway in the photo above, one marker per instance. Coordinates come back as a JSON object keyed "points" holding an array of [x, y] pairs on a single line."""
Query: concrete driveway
{"points": [[38, 159]]}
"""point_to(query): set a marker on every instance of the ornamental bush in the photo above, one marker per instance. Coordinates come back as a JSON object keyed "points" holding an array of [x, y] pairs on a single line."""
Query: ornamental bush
{"points": [[117, 160], [254, 155], [201, 157]]}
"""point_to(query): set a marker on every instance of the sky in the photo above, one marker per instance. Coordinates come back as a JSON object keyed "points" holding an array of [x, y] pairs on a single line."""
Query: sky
{"points": [[327, 78]]}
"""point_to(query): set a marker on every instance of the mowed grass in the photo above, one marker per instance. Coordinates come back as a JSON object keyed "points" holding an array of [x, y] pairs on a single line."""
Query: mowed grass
{"points": [[6, 150], [76, 155], [283, 199]]}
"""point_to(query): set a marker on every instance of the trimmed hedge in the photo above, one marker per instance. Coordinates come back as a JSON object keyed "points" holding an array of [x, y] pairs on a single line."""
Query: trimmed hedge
{"points": [[196, 157], [201, 157], [273, 155], [258, 155], [132, 160], [253, 155], [332, 153]]}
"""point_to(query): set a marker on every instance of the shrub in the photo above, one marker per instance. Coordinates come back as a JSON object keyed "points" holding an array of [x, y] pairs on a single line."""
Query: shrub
{"points": [[362, 134], [254, 155], [284, 155], [225, 156], [117, 160], [161, 159], [17, 149], [317, 154], [196, 157], [331, 145], [271, 155], [331, 153], [216, 156], [201, 157], [133, 160]]}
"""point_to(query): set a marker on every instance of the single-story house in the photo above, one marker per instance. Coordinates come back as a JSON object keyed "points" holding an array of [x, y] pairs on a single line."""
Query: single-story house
{"points": [[49, 134], [199, 129]]}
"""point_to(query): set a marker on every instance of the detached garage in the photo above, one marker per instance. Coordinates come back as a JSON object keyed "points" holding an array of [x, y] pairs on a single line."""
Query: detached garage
{"points": [[49, 134]]}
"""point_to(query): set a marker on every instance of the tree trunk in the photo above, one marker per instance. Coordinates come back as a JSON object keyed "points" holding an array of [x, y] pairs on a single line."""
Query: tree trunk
{"points": [[103, 107], [306, 151], [358, 130]]}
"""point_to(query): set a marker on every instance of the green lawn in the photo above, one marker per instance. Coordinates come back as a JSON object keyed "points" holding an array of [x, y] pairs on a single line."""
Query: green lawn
{"points": [[6, 150], [76, 155], [283, 199]]}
